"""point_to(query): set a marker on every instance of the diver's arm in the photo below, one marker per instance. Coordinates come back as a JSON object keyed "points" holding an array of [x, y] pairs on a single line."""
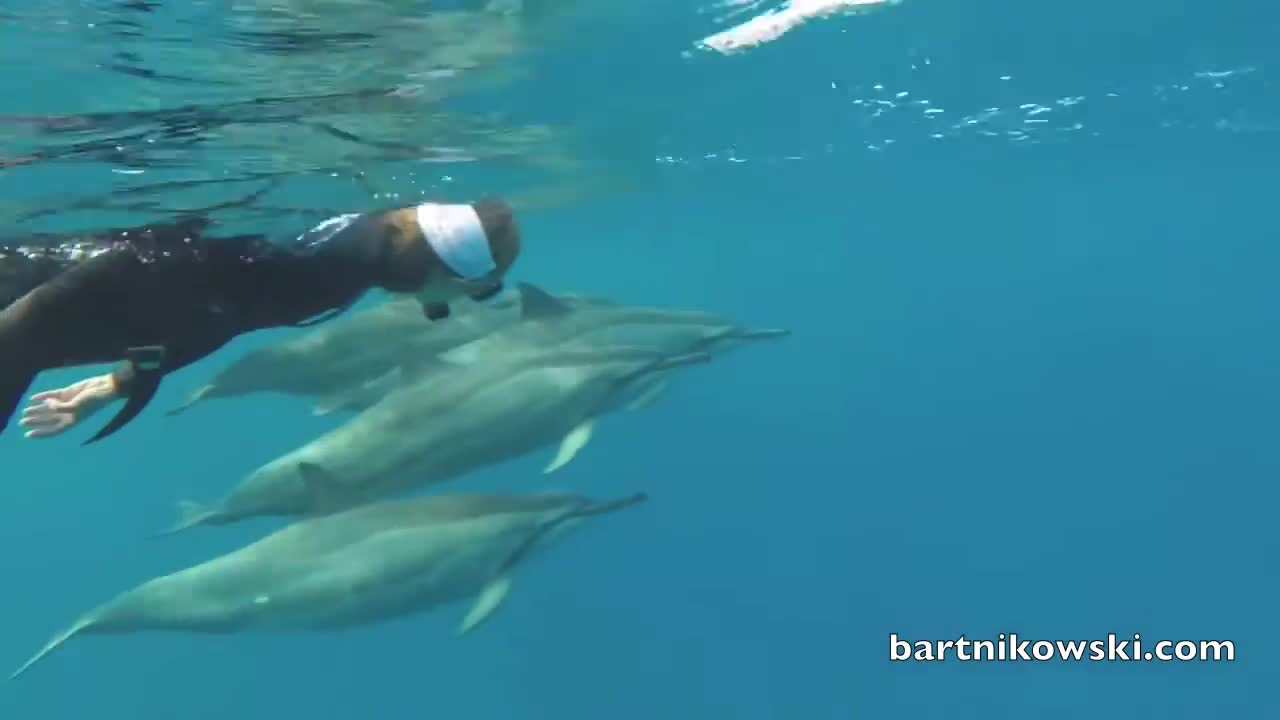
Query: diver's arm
{"points": [[175, 357], [52, 412]]}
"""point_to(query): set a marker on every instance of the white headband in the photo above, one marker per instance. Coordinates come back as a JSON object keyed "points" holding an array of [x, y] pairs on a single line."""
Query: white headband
{"points": [[455, 233]]}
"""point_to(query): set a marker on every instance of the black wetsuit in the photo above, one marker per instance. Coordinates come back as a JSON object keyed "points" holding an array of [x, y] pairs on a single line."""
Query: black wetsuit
{"points": [[28, 263], [165, 296]]}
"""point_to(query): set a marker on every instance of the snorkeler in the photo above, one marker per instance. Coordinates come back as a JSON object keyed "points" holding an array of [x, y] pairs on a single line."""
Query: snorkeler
{"points": [[165, 296]]}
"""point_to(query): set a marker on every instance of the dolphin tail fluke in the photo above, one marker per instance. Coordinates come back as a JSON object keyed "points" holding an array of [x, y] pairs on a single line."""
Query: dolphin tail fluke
{"points": [[196, 397], [190, 515], [52, 645]]}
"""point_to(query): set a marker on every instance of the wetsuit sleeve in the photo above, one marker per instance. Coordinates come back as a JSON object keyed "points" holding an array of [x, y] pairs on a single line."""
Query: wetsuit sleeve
{"points": [[176, 357], [378, 248], [122, 378], [261, 285], [292, 283]]}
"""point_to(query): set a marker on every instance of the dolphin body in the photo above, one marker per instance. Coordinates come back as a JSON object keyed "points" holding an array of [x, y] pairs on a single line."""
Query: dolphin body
{"points": [[611, 323], [598, 324], [351, 350], [448, 423], [366, 565]]}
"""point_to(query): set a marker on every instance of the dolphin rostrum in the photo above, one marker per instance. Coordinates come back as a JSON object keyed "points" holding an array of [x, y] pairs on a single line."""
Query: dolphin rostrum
{"points": [[449, 423], [362, 566]]}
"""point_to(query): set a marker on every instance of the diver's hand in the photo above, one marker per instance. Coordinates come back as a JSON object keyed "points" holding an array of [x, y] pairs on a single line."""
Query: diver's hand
{"points": [[53, 411]]}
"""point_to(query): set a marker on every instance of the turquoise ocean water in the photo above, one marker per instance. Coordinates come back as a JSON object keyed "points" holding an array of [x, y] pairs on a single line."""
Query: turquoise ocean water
{"points": [[1027, 252]]}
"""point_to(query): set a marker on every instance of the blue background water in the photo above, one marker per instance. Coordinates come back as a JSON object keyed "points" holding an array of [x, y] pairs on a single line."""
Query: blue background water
{"points": [[1031, 388]]}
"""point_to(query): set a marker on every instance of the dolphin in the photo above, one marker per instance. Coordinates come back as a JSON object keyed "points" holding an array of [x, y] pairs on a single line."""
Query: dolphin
{"points": [[366, 565], [612, 323], [448, 423], [597, 324], [360, 347]]}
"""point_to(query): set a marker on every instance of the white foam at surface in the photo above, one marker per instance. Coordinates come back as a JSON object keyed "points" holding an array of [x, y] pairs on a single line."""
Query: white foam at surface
{"points": [[773, 24]]}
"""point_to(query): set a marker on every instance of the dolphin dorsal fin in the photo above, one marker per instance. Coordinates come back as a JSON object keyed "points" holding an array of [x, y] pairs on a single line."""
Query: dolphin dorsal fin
{"points": [[538, 304], [316, 475], [328, 492]]}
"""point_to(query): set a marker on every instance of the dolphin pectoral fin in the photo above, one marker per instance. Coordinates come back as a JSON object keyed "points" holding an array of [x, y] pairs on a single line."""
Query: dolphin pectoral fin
{"points": [[648, 396], [190, 515], [435, 311], [537, 304], [147, 364], [52, 645], [327, 491], [197, 396], [572, 443], [489, 600], [328, 404], [493, 593], [496, 591]]}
